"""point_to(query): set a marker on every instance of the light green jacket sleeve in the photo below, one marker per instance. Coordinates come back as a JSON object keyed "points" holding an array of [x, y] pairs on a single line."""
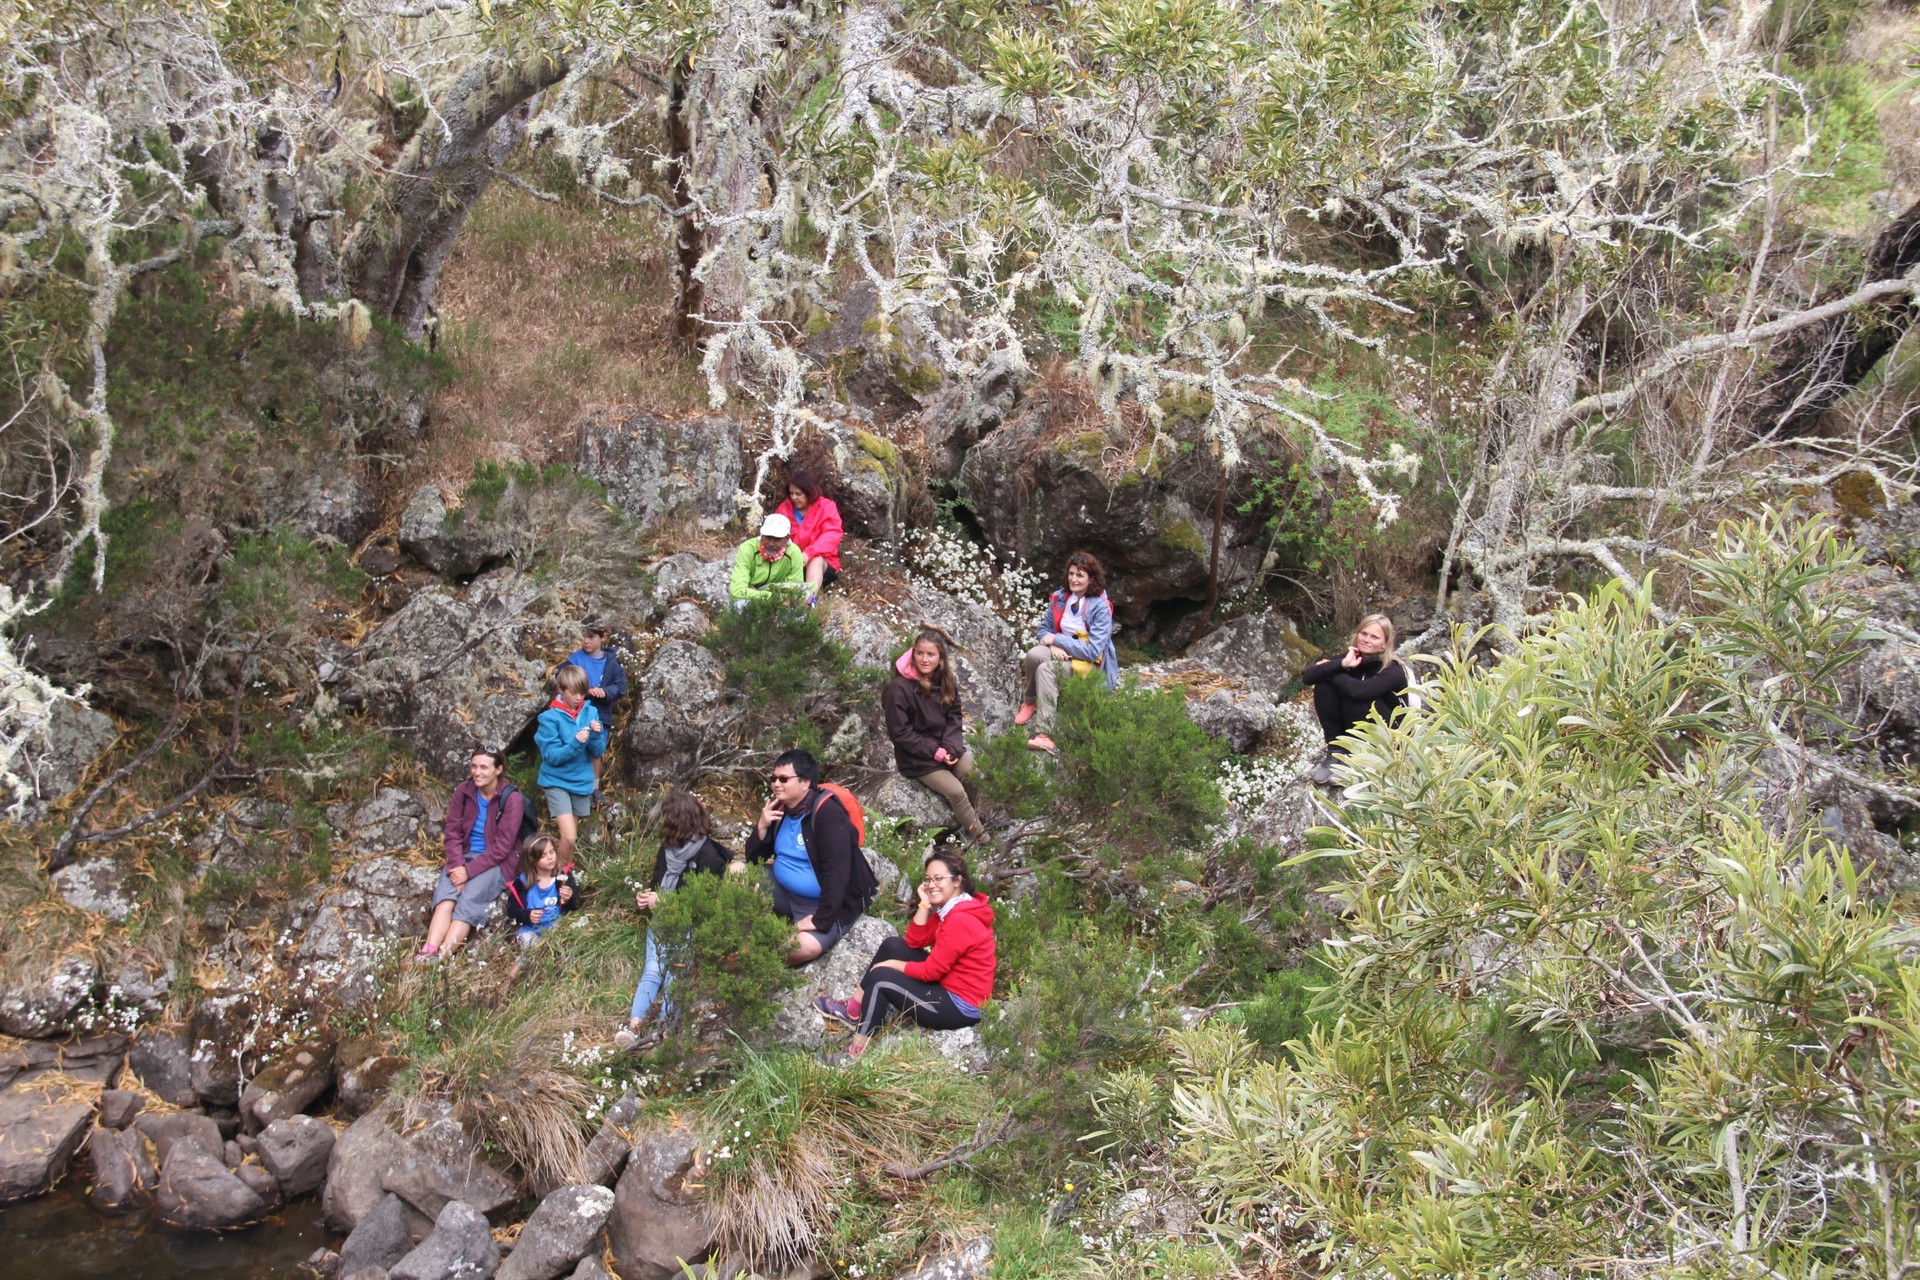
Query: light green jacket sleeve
{"points": [[739, 582]]}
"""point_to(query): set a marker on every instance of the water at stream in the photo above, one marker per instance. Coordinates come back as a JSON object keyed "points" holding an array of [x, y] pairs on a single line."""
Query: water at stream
{"points": [[61, 1237]]}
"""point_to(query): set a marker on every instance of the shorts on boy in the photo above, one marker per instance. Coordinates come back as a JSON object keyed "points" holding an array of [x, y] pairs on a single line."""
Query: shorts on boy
{"points": [[561, 802], [798, 908], [473, 900]]}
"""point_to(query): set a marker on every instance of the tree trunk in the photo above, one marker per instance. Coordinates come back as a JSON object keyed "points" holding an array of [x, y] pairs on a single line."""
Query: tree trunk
{"points": [[392, 259], [689, 302], [1819, 366]]}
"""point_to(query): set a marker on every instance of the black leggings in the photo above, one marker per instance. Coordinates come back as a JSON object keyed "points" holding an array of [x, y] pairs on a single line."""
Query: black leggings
{"points": [[887, 994], [1331, 710]]}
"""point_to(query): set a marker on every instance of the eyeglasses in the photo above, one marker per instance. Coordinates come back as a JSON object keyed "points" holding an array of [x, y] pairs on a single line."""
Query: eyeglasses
{"points": [[783, 777], [938, 879]]}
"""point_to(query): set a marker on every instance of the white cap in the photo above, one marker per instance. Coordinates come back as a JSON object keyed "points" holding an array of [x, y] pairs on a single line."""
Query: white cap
{"points": [[775, 526]]}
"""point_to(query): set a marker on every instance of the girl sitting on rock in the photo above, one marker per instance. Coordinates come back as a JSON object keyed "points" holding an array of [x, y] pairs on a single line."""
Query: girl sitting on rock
{"points": [[539, 893], [1075, 636], [687, 846], [922, 705], [939, 975]]}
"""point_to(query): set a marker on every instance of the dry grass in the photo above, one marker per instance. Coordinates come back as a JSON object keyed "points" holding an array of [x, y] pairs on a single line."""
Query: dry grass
{"points": [[1883, 44], [548, 311]]}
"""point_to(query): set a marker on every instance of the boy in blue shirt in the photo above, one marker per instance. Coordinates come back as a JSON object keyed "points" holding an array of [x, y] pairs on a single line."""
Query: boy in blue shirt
{"points": [[570, 736], [606, 681]]}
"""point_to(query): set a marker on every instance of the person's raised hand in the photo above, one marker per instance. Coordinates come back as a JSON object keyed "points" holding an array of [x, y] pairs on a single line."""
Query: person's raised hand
{"points": [[566, 893], [1351, 658], [770, 813], [921, 892], [646, 900], [596, 692], [584, 734]]}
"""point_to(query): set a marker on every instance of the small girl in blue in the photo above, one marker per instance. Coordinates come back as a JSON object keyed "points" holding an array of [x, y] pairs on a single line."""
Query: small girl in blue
{"points": [[539, 894]]}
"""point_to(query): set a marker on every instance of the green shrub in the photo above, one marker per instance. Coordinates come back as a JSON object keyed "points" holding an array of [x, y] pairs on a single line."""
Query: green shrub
{"points": [[1131, 755], [726, 947], [1014, 781], [798, 682], [1284, 1011]]}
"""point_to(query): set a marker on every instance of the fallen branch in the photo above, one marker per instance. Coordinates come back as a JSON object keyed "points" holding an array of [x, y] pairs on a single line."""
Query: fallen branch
{"points": [[958, 1155]]}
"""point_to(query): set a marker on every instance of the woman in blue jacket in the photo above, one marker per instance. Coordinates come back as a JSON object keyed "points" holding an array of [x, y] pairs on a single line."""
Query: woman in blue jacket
{"points": [[570, 736], [1075, 635]]}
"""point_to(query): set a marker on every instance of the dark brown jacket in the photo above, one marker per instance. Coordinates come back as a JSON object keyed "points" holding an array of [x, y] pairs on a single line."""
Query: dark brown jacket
{"points": [[918, 722]]}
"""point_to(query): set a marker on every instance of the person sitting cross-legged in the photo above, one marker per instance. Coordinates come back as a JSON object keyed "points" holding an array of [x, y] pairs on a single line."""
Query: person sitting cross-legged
{"points": [[939, 975], [768, 567]]}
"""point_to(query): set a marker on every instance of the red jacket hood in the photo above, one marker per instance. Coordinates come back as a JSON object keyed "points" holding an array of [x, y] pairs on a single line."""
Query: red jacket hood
{"points": [[975, 905]]}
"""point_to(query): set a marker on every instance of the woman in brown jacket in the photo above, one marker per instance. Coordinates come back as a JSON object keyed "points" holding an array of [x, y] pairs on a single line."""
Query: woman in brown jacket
{"points": [[922, 703]]}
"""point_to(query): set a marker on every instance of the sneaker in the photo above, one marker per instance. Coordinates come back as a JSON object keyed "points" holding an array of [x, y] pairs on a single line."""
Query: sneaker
{"points": [[625, 1038], [835, 1011], [1025, 713], [1322, 774], [1041, 742]]}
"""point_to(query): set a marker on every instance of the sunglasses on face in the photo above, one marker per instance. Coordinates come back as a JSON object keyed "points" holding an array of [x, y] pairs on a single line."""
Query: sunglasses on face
{"points": [[778, 778]]}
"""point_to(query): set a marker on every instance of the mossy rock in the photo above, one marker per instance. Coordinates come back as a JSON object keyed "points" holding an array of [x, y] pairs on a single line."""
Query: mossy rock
{"points": [[1180, 535], [1857, 493]]}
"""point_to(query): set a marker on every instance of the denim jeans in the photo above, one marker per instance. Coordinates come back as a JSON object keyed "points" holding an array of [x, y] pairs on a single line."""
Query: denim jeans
{"points": [[654, 981]]}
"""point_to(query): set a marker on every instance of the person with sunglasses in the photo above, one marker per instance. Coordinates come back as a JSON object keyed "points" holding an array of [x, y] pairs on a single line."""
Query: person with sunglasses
{"points": [[821, 880], [939, 975]]}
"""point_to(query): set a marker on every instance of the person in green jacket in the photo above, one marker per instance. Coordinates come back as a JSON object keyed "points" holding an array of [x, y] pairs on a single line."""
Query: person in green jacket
{"points": [[768, 565]]}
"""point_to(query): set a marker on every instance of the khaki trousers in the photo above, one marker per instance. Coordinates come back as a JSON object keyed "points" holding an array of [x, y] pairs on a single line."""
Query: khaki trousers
{"points": [[951, 785], [1041, 674]]}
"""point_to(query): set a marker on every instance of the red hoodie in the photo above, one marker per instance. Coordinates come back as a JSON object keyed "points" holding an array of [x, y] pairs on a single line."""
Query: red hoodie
{"points": [[959, 951]]}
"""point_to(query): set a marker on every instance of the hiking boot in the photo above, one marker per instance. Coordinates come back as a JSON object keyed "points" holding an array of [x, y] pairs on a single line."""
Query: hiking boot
{"points": [[1025, 713], [625, 1038], [835, 1011], [1322, 774]]}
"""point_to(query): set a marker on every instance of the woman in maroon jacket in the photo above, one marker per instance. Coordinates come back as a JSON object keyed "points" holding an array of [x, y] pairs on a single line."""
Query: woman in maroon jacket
{"points": [[922, 705], [939, 975], [482, 840]]}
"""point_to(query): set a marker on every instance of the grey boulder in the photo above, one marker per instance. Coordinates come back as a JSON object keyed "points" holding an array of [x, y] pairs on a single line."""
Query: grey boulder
{"points": [[358, 1164], [166, 1132], [53, 761], [658, 1223], [295, 1151], [41, 1126], [460, 1247], [836, 975], [969, 1261], [385, 1235], [123, 1170], [198, 1191], [288, 1085], [678, 705], [118, 1107], [450, 541], [37, 1000], [218, 1031], [98, 885], [440, 1161], [560, 1233], [163, 1059]]}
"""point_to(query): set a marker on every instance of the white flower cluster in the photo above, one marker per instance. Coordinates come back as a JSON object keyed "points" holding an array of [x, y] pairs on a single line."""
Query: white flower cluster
{"points": [[1010, 587], [1247, 782], [585, 1056]]}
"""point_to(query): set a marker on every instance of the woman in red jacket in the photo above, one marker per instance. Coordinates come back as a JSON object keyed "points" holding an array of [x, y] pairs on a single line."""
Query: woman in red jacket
{"points": [[816, 529], [939, 975]]}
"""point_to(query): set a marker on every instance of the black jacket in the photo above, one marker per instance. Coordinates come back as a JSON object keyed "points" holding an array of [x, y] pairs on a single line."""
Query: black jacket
{"points": [[1352, 694], [917, 722], [711, 856], [847, 884]]}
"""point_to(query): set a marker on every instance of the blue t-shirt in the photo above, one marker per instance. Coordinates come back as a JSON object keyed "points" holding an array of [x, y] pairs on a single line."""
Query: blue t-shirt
{"points": [[594, 664], [477, 838], [791, 869], [799, 518], [545, 900]]}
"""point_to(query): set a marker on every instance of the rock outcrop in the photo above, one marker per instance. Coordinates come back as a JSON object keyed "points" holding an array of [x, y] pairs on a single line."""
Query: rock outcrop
{"points": [[198, 1191], [656, 468], [447, 671], [54, 761], [38, 999], [1234, 679]]}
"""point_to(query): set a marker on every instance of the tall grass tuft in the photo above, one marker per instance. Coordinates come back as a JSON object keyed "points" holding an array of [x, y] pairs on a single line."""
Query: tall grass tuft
{"points": [[792, 1138]]}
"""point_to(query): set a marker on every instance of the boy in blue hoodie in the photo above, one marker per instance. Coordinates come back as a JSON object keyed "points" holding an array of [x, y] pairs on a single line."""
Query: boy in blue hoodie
{"points": [[570, 736], [606, 681]]}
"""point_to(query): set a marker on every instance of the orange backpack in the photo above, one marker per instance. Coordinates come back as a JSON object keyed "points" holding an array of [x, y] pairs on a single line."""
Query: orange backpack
{"points": [[854, 812]]}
